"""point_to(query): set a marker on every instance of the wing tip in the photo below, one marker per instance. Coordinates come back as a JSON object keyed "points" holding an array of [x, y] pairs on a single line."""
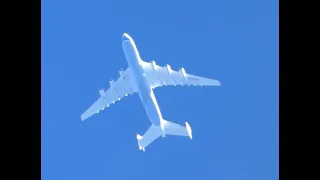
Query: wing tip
{"points": [[218, 83], [82, 118]]}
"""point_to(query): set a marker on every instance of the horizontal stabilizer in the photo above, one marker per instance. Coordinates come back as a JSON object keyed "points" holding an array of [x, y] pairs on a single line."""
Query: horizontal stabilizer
{"points": [[176, 129], [139, 137], [149, 136], [169, 128]]}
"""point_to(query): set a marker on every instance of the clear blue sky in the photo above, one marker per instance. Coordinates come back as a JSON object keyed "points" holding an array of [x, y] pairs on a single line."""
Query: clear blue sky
{"points": [[235, 126]]}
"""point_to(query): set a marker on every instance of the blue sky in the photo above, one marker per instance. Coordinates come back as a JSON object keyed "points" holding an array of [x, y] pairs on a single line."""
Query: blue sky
{"points": [[235, 126]]}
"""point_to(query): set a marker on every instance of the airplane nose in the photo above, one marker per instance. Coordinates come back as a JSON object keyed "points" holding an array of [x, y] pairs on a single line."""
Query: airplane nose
{"points": [[125, 37]]}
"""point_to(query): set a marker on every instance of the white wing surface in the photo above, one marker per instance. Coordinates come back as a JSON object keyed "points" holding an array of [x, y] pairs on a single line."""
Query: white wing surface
{"points": [[154, 132], [163, 76], [123, 86], [148, 137]]}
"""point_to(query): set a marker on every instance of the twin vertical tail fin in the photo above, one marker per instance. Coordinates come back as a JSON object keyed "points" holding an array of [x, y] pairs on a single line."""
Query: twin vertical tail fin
{"points": [[189, 130], [168, 128], [139, 137]]}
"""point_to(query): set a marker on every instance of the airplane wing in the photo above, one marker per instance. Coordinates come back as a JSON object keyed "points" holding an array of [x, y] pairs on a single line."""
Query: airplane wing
{"points": [[123, 86], [163, 76]]}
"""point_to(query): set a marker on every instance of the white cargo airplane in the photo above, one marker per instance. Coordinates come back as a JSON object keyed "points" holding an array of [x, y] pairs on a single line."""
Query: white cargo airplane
{"points": [[142, 77]]}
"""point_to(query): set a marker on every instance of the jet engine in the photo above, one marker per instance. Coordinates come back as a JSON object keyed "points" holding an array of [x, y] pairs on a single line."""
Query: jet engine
{"points": [[121, 73], [154, 65], [169, 68], [102, 93], [112, 84], [183, 74]]}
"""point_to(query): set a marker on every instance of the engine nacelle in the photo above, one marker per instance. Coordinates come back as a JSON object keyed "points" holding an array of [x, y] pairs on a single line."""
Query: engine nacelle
{"points": [[102, 93], [154, 65], [121, 73], [183, 72], [169, 68], [111, 83]]}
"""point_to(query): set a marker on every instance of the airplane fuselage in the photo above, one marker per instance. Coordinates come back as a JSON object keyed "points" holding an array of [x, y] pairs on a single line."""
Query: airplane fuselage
{"points": [[145, 90]]}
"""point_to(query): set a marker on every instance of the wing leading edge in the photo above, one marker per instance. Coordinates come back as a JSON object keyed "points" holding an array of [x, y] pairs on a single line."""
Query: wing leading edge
{"points": [[123, 86], [163, 76]]}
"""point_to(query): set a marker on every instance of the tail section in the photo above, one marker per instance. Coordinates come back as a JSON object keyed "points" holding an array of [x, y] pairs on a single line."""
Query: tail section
{"points": [[139, 137], [189, 130], [176, 129], [168, 128]]}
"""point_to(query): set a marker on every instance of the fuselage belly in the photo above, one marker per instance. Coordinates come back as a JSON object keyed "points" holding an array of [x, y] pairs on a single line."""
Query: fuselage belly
{"points": [[145, 91]]}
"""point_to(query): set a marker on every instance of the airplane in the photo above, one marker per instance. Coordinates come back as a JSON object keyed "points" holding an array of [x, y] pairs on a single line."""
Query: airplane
{"points": [[142, 77]]}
